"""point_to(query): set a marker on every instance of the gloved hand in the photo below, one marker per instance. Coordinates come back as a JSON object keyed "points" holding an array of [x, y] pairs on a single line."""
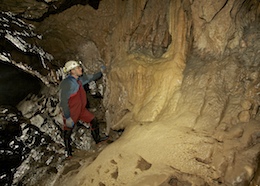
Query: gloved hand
{"points": [[103, 67], [69, 122]]}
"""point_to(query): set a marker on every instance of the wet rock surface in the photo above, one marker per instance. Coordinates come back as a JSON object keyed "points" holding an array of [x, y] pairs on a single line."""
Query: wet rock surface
{"points": [[11, 148], [31, 148]]}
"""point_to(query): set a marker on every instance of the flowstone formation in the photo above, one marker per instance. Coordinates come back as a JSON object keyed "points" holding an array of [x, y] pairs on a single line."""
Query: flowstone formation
{"points": [[191, 115], [182, 81]]}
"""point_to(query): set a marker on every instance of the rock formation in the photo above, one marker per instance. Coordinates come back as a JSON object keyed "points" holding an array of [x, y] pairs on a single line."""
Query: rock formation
{"points": [[182, 80]]}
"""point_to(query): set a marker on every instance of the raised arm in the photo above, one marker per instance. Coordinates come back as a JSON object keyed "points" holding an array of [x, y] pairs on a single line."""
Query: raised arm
{"points": [[85, 78]]}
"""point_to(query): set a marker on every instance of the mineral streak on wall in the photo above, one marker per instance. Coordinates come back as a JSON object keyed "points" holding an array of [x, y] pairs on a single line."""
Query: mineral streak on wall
{"points": [[146, 84]]}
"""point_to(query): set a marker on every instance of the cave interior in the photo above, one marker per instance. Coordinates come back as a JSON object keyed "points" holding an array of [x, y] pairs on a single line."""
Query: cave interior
{"points": [[180, 93]]}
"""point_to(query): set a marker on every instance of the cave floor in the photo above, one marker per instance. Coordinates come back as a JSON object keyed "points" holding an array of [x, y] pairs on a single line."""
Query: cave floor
{"points": [[71, 166]]}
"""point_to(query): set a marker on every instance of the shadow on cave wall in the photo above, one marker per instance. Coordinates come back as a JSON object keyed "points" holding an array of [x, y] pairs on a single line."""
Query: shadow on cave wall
{"points": [[15, 84], [60, 6]]}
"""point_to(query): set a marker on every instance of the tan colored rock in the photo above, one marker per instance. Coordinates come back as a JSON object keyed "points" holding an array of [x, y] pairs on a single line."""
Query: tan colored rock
{"points": [[246, 105], [244, 116]]}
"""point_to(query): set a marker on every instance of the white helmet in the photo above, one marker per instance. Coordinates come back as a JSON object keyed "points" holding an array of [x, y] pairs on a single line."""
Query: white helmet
{"points": [[70, 65]]}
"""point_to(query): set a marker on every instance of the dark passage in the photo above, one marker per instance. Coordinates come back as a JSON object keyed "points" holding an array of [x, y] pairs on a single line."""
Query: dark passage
{"points": [[16, 84]]}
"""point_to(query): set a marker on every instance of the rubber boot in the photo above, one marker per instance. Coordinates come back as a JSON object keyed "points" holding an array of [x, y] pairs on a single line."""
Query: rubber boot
{"points": [[67, 142], [95, 130]]}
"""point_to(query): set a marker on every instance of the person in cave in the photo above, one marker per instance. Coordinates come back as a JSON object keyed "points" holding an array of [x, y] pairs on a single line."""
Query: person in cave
{"points": [[73, 102]]}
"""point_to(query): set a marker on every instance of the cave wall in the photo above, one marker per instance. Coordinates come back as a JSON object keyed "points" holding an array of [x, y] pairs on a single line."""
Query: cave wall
{"points": [[196, 94], [181, 74], [153, 80], [219, 26], [130, 38], [145, 52]]}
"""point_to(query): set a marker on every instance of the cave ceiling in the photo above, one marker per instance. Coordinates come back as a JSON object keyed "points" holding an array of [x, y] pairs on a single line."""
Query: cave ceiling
{"points": [[38, 10], [32, 12]]}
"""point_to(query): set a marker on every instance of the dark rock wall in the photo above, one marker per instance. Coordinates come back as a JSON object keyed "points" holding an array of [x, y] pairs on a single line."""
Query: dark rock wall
{"points": [[16, 84]]}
